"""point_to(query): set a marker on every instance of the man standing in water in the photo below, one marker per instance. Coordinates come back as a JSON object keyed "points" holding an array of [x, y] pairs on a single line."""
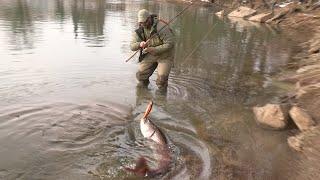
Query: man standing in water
{"points": [[156, 53]]}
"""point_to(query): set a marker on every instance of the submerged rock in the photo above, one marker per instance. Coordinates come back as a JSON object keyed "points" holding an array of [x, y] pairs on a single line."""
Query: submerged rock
{"points": [[301, 118], [273, 116], [242, 12], [261, 17]]}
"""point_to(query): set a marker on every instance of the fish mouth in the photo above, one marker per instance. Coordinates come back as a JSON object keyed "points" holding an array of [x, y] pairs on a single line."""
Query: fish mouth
{"points": [[148, 110]]}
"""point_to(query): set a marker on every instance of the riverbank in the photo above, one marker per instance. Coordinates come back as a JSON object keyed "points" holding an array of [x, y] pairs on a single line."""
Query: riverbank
{"points": [[301, 24], [304, 73]]}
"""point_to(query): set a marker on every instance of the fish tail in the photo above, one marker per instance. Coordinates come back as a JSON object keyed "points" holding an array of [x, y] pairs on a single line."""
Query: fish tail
{"points": [[164, 165], [141, 167]]}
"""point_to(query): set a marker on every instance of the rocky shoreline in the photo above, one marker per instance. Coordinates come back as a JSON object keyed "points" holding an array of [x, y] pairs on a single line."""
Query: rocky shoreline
{"points": [[302, 104], [300, 107]]}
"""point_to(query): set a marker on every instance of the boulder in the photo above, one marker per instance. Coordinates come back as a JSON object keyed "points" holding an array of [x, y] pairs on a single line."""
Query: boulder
{"points": [[273, 116], [242, 25], [242, 12], [301, 118], [220, 13], [261, 17]]}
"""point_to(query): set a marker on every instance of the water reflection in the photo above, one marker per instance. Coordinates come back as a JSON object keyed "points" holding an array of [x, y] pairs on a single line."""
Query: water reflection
{"points": [[116, 6], [89, 18], [59, 10], [18, 18], [22, 18], [233, 54], [144, 95]]}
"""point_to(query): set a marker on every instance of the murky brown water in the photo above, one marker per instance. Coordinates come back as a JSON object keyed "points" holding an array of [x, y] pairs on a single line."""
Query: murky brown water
{"points": [[69, 103]]}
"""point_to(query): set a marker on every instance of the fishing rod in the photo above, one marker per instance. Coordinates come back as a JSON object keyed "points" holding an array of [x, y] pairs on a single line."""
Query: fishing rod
{"points": [[165, 26]]}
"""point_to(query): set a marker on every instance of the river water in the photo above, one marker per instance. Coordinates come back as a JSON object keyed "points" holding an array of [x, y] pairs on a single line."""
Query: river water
{"points": [[70, 107]]}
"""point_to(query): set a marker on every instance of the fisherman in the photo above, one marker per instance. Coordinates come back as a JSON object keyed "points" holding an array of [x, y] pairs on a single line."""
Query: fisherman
{"points": [[156, 53]]}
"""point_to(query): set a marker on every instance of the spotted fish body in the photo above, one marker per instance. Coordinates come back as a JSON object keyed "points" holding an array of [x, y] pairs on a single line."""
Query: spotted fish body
{"points": [[150, 131]]}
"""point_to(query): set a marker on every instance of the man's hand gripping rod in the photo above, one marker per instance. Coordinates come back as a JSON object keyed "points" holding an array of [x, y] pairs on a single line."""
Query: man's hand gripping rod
{"points": [[165, 26]]}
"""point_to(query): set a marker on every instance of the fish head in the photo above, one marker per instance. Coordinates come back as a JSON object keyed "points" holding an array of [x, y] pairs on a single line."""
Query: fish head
{"points": [[144, 119], [148, 110]]}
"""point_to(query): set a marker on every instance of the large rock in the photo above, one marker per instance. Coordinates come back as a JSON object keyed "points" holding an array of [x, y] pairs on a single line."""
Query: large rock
{"points": [[220, 13], [273, 116], [242, 12], [261, 17], [301, 118], [242, 25]]}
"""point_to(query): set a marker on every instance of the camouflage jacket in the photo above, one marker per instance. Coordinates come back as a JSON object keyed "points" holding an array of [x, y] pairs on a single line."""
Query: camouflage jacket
{"points": [[162, 42]]}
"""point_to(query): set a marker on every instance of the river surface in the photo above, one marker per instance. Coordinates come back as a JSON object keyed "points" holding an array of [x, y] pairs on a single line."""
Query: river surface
{"points": [[70, 107]]}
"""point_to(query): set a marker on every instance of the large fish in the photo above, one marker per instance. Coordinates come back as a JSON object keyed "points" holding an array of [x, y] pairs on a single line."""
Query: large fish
{"points": [[150, 131]]}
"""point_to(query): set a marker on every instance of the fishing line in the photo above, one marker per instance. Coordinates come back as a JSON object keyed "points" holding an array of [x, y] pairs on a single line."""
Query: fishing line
{"points": [[165, 26], [199, 43]]}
